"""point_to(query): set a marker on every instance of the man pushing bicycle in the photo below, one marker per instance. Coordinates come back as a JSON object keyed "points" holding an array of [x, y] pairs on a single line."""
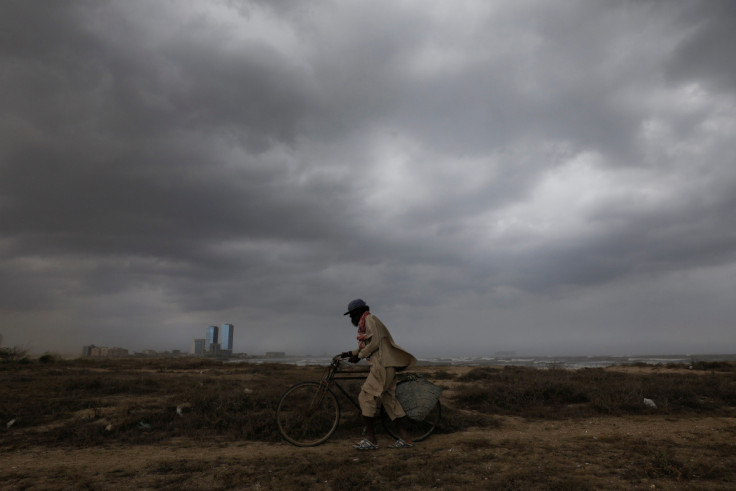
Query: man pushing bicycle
{"points": [[376, 345]]}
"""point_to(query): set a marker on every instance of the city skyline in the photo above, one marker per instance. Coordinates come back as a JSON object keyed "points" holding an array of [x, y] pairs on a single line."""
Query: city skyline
{"points": [[220, 337]]}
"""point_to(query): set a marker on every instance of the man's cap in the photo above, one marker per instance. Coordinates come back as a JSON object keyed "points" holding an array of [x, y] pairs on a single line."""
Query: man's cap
{"points": [[355, 304]]}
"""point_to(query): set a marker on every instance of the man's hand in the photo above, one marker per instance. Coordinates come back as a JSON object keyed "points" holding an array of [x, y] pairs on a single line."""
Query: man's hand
{"points": [[346, 354], [353, 359]]}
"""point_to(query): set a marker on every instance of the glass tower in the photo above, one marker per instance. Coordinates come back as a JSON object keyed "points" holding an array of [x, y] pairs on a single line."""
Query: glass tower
{"points": [[212, 337], [226, 340]]}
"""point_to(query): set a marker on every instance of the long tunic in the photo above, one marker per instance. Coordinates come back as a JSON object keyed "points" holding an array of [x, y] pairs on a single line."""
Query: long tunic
{"points": [[382, 352]]}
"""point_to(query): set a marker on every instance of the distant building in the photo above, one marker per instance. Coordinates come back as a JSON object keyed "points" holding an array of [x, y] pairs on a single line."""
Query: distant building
{"points": [[214, 349], [198, 346], [87, 350], [226, 338], [105, 352], [211, 338]]}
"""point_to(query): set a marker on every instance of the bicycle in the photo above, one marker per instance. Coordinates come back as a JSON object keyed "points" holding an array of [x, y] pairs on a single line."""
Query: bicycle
{"points": [[308, 412]]}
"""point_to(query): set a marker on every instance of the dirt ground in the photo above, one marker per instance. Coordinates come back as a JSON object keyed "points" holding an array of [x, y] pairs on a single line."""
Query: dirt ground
{"points": [[587, 452], [605, 452]]}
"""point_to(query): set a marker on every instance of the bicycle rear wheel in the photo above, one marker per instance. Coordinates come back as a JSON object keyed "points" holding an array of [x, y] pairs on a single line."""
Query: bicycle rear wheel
{"points": [[419, 430], [307, 414]]}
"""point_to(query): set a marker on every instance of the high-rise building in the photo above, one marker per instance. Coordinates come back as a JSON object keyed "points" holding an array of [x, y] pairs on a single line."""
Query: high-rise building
{"points": [[198, 346], [226, 338], [212, 337]]}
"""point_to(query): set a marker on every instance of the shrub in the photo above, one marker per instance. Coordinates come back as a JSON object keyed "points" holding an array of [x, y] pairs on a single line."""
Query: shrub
{"points": [[576, 393], [48, 358], [14, 354], [443, 375]]}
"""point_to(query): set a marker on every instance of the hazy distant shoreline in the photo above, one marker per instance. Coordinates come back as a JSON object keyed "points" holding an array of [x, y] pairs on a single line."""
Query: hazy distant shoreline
{"points": [[571, 362]]}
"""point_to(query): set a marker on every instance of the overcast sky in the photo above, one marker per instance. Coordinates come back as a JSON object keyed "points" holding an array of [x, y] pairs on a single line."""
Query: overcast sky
{"points": [[545, 177]]}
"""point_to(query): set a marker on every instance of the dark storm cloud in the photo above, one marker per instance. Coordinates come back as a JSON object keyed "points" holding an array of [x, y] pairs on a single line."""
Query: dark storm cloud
{"points": [[480, 165], [704, 53], [130, 144]]}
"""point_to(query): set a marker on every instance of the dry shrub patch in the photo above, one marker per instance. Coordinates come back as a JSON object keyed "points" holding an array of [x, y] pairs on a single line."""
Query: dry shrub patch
{"points": [[136, 401], [443, 375], [557, 393], [83, 403], [502, 428]]}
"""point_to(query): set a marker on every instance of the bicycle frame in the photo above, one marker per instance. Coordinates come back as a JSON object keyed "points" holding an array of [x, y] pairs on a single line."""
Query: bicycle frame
{"points": [[334, 374]]}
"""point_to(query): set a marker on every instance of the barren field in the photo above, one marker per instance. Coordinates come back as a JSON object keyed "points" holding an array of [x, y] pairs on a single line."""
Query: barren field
{"points": [[171, 424]]}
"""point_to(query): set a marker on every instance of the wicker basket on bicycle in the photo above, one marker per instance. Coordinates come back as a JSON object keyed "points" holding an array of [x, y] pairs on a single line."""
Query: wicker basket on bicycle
{"points": [[417, 395]]}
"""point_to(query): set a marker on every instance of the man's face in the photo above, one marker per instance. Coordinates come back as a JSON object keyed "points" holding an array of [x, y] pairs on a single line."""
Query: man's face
{"points": [[355, 317]]}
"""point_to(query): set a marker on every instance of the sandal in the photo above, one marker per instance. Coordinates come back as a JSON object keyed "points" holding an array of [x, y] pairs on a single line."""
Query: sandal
{"points": [[400, 443], [365, 444]]}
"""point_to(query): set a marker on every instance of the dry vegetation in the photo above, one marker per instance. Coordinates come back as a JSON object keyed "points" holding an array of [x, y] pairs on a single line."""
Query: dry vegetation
{"points": [[199, 424]]}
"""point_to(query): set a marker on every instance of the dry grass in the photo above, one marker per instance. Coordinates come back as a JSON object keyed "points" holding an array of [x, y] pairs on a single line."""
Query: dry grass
{"points": [[87, 403], [588, 392], [502, 428]]}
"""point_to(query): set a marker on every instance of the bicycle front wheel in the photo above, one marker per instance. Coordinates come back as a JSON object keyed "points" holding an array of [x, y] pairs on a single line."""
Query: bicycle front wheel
{"points": [[307, 414]]}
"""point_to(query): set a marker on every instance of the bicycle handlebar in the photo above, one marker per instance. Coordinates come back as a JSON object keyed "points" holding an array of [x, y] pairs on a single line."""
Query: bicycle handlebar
{"points": [[337, 366]]}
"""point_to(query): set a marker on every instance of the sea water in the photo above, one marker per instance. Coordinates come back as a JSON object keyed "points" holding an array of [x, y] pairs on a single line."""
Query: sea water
{"points": [[542, 362]]}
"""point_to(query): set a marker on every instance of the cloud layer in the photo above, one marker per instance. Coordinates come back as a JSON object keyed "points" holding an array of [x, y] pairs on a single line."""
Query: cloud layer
{"points": [[549, 178]]}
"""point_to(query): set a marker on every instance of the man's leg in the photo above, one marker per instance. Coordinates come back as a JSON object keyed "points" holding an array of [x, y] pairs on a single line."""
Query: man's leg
{"points": [[393, 408], [370, 431], [402, 430], [397, 415], [368, 406]]}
